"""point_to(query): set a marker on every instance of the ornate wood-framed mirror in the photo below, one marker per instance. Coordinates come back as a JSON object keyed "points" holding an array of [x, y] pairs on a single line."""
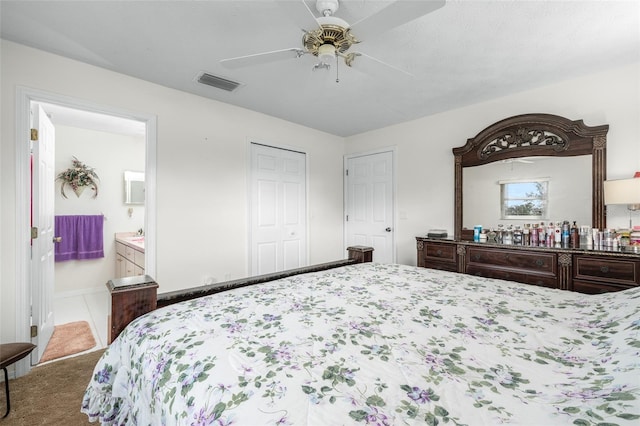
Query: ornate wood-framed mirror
{"points": [[535, 135]]}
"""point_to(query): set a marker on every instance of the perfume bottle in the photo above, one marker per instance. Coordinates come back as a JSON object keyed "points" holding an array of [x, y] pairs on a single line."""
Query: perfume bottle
{"points": [[558, 234], [517, 236], [574, 236], [534, 235], [491, 236], [500, 234], [551, 235], [542, 235], [507, 236]]}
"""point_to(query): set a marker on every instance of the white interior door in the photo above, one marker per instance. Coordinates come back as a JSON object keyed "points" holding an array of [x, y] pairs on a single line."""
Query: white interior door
{"points": [[42, 247], [369, 217], [278, 209]]}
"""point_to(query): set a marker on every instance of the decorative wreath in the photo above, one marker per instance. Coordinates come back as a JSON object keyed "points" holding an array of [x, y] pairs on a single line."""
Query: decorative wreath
{"points": [[79, 176]]}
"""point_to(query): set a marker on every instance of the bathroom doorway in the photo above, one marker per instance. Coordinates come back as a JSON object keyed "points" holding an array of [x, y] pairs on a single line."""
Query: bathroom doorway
{"points": [[111, 147], [57, 105]]}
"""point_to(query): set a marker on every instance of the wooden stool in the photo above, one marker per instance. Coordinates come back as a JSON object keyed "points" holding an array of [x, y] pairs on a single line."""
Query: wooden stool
{"points": [[10, 353]]}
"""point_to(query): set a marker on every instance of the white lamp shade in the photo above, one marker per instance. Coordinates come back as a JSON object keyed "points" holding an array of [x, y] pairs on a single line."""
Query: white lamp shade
{"points": [[622, 191], [327, 53]]}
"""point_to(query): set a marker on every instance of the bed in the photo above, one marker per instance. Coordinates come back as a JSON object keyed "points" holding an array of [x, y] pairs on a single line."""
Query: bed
{"points": [[376, 344]]}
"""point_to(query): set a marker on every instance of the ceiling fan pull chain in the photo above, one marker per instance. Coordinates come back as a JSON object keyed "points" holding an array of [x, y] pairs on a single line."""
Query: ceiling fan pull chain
{"points": [[337, 64]]}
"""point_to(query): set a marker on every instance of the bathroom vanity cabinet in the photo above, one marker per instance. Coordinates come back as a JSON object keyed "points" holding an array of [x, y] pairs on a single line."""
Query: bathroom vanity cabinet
{"points": [[129, 257]]}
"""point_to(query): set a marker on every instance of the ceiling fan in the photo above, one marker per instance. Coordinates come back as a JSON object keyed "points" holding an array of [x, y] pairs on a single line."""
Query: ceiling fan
{"points": [[330, 38]]}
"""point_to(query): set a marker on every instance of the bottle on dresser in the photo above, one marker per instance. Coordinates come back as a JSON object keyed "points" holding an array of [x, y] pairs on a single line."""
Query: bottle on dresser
{"points": [[575, 236], [585, 236], [517, 236], [507, 236], [557, 232], [542, 235], [551, 235], [634, 236], [534, 235], [565, 237]]}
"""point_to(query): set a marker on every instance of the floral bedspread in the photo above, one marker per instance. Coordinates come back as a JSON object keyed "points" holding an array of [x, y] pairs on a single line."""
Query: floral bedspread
{"points": [[377, 344]]}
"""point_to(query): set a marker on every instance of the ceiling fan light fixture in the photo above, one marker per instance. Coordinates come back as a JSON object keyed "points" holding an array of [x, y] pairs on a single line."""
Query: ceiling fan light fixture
{"points": [[331, 38], [326, 53]]}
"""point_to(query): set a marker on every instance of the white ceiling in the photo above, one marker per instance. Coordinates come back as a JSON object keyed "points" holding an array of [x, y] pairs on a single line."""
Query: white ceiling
{"points": [[463, 53], [61, 115]]}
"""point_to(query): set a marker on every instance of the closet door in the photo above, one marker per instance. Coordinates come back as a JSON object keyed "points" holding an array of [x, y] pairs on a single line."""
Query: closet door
{"points": [[278, 237]]}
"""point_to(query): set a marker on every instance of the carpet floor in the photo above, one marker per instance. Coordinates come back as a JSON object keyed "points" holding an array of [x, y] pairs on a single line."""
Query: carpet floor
{"points": [[51, 394]]}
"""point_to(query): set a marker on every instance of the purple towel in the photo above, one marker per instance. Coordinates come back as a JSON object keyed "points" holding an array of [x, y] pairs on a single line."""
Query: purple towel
{"points": [[81, 237]]}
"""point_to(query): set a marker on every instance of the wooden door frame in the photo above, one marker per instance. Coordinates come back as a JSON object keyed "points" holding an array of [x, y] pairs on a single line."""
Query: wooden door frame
{"points": [[394, 186], [24, 97]]}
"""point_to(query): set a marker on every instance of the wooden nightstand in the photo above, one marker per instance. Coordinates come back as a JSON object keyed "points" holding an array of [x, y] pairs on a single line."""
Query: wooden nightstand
{"points": [[130, 298]]}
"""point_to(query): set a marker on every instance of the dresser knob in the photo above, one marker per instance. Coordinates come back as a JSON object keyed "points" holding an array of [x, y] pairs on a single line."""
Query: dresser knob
{"points": [[604, 269], [539, 262], [439, 252]]}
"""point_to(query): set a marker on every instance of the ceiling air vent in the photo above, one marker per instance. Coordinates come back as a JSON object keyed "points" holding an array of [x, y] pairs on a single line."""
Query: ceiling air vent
{"points": [[218, 82]]}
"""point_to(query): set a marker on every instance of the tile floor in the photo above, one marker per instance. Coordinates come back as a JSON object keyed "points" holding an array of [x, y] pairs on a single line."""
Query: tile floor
{"points": [[91, 307]]}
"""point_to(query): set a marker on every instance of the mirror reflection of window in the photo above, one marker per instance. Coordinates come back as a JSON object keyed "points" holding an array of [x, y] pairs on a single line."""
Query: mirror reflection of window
{"points": [[133, 187], [569, 189], [524, 199]]}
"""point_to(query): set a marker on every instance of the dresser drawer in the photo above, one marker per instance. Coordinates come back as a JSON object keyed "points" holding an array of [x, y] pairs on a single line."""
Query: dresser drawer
{"points": [[605, 270], [442, 266], [590, 287], [440, 252], [536, 262], [512, 275]]}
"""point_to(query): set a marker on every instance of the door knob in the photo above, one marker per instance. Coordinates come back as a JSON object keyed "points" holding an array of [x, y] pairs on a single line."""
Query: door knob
{"points": [[388, 229], [57, 239]]}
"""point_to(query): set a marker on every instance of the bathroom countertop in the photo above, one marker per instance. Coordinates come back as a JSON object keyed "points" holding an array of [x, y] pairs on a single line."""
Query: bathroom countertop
{"points": [[131, 239]]}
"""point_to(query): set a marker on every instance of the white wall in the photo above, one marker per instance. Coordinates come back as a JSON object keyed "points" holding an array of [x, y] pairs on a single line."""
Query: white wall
{"points": [[110, 155], [425, 161], [202, 159]]}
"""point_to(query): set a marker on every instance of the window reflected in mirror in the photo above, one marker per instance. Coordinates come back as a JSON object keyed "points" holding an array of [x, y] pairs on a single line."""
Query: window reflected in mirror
{"points": [[524, 199]]}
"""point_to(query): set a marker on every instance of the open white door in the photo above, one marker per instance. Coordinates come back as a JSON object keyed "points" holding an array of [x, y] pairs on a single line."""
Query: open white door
{"points": [[369, 203], [42, 246]]}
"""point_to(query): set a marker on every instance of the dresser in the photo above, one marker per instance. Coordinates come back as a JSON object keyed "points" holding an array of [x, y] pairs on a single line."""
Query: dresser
{"points": [[582, 270]]}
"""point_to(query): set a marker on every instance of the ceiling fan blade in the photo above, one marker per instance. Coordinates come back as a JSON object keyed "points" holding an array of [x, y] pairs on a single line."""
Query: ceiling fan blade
{"points": [[262, 58], [396, 14], [375, 67], [299, 13]]}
